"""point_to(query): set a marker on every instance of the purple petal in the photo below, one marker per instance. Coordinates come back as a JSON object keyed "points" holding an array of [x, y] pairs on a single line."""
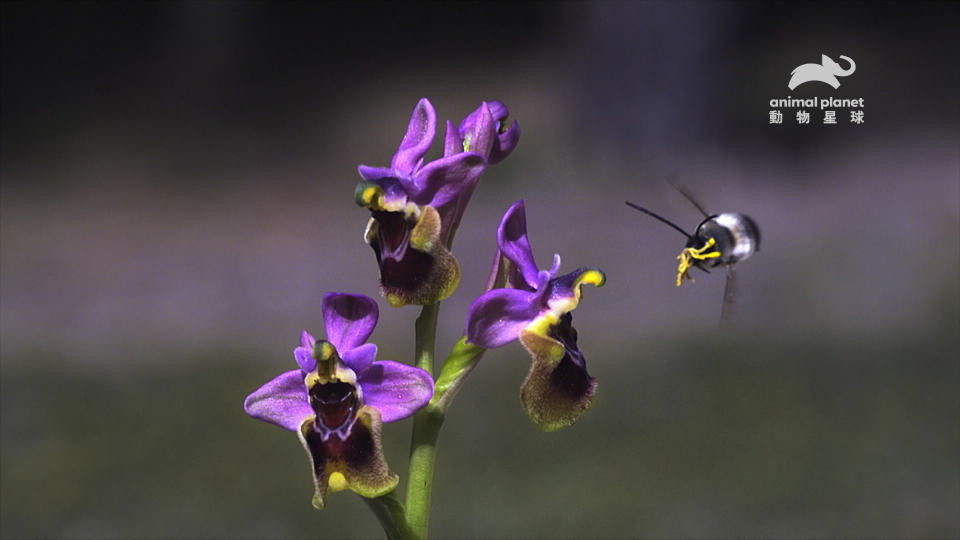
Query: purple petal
{"points": [[498, 110], [513, 242], [419, 137], [305, 359], [443, 180], [497, 317], [505, 144], [374, 173], [396, 390], [282, 401], [360, 358], [304, 353], [307, 340], [349, 319]]}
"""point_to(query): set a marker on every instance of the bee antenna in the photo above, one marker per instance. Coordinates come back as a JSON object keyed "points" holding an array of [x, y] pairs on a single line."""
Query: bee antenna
{"points": [[663, 219]]}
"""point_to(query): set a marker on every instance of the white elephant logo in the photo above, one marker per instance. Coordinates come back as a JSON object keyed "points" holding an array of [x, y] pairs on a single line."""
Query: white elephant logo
{"points": [[826, 72]]}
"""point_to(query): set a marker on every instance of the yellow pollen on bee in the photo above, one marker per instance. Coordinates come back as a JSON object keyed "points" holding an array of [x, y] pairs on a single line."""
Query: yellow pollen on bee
{"points": [[688, 255], [337, 482]]}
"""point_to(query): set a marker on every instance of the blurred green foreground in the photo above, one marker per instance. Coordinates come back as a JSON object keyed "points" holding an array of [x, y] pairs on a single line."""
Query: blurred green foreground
{"points": [[767, 436]]}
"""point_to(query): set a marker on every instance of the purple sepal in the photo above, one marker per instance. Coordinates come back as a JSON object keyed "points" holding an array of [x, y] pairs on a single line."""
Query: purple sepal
{"points": [[349, 319], [374, 173], [442, 181], [396, 390], [514, 245], [497, 317], [417, 140], [452, 143], [282, 401]]}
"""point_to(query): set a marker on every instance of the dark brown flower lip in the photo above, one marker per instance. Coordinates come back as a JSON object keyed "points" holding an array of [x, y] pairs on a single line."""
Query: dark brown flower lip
{"points": [[393, 235], [335, 405]]}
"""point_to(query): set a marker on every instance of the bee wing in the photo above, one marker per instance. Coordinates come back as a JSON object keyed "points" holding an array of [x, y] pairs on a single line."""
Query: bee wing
{"points": [[728, 310], [689, 196]]}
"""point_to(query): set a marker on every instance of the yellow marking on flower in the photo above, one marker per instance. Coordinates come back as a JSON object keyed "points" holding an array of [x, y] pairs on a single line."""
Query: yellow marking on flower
{"points": [[427, 229], [337, 482], [412, 211], [330, 368], [324, 350], [591, 277], [466, 142], [369, 195], [542, 324], [688, 255], [565, 304]]}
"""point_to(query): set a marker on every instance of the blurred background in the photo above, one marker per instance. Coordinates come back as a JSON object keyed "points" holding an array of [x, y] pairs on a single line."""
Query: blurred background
{"points": [[177, 183]]}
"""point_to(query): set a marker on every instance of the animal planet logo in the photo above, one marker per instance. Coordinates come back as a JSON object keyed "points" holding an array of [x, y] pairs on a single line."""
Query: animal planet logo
{"points": [[826, 71]]}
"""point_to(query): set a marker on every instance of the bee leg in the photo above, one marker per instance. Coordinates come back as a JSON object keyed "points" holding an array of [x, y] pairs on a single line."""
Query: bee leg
{"points": [[728, 309], [689, 257]]}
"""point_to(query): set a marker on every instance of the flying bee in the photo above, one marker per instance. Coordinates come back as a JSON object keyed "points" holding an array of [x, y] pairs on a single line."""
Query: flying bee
{"points": [[719, 240]]}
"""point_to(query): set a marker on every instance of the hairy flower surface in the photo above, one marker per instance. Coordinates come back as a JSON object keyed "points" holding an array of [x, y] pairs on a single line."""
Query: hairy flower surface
{"points": [[534, 306], [416, 207], [339, 397]]}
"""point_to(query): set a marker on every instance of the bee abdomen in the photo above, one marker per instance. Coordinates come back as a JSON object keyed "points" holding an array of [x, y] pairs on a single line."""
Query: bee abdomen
{"points": [[742, 236]]}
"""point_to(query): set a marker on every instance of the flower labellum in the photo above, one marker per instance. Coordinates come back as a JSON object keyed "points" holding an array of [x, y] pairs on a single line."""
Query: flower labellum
{"points": [[534, 306], [340, 397]]}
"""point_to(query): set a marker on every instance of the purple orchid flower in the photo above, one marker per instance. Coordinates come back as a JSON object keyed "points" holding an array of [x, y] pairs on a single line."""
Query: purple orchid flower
{"points": [[338, 399], [416, 206], [534, 306]]}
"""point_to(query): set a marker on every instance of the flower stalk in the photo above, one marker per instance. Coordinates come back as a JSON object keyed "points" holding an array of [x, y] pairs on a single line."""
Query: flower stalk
{"points": [[389, 512], [426, 429]]}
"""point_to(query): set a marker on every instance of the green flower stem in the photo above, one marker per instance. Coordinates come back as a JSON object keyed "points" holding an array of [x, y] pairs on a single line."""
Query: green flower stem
{"points": [[426, 328], [427, 423], [389, 512], [426, 429]]}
